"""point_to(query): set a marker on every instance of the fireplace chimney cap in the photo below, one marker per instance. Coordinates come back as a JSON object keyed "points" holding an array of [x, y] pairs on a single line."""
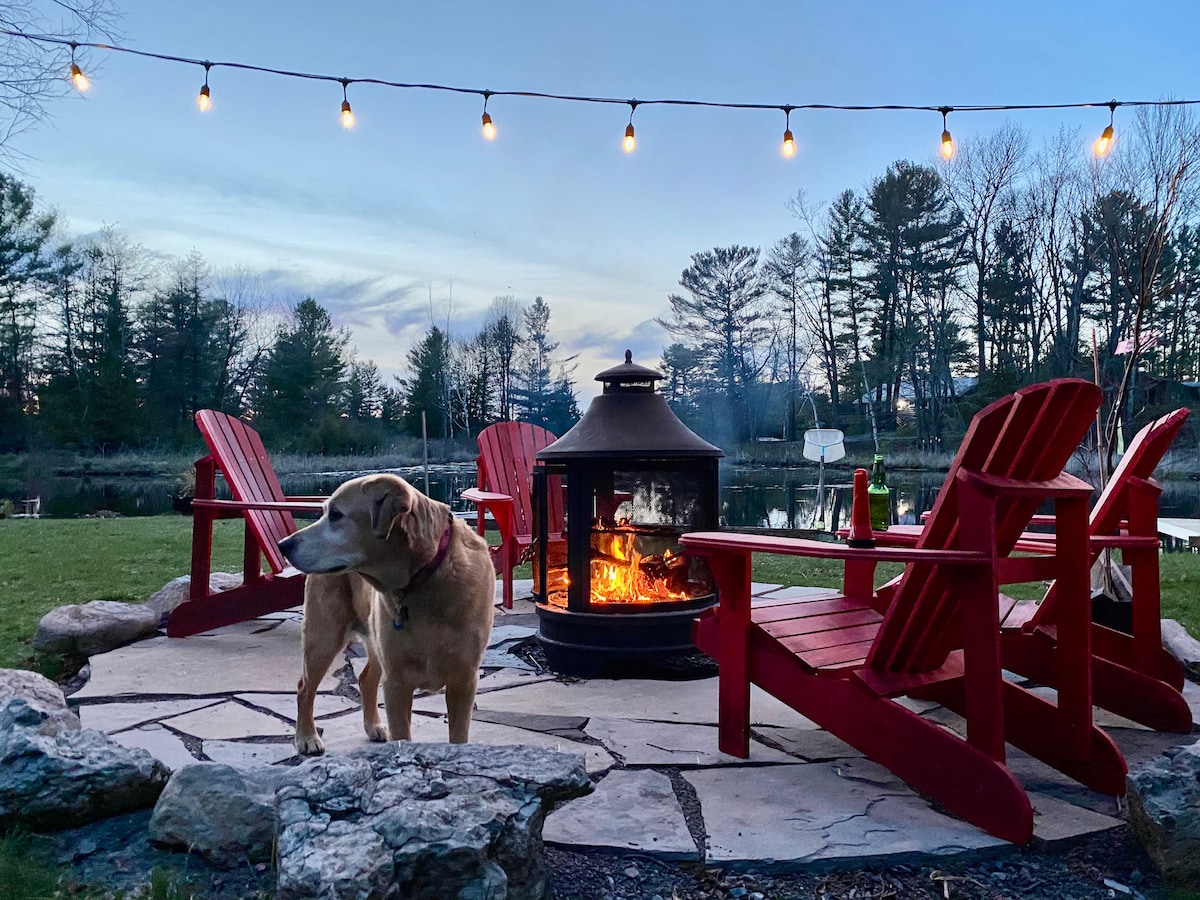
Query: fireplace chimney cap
{"points": [[629, 376], [629, 420]]}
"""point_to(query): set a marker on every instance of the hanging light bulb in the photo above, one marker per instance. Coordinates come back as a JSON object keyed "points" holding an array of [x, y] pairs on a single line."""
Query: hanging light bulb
{"points": [[947, 141], [347, 114], [1104, 142], [489, 130], [789, 142], [77, 77], [204, 101], [629, 144]]}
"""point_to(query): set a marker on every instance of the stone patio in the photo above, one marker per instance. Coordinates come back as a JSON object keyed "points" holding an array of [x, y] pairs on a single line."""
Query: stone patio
{"points": [[803, 797]]}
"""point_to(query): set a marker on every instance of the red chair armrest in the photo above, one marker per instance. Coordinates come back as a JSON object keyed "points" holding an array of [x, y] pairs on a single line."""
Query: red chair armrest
{"points": [[276, 505], [474, 495]]}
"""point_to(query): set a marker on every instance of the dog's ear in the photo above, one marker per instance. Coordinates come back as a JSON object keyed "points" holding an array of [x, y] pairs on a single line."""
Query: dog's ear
{"points": [[389, 500]]}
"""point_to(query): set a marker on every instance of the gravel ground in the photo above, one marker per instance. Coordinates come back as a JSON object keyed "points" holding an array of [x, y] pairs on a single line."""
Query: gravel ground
{"points": [[1108, 865], [115, 854]]}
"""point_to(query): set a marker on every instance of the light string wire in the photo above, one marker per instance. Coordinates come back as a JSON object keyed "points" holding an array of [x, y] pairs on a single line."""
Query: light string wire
{"points": [[579, 98]]}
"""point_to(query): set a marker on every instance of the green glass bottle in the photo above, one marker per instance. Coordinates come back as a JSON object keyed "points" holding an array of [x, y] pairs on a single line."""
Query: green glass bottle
{"points": [[879, 496]]}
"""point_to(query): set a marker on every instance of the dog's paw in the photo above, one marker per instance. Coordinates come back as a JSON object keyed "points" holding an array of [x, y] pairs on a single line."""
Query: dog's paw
{"points": [[309, 745], [377, 733]]}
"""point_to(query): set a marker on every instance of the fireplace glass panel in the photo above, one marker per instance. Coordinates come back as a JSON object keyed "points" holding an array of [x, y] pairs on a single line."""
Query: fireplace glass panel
{"points": [[635, 558]]}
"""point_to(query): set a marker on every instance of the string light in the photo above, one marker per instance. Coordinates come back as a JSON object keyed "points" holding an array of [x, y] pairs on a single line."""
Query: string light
{"points": [[947, 141], [81, 83], [347, 113], [77, 77], [204, 101], [789, 143], [1104, 142], [489, 130], [629, 143]]}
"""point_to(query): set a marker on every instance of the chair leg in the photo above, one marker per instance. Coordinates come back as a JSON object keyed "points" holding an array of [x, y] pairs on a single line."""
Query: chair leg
{"points": [[732, 574], [202, 530]]}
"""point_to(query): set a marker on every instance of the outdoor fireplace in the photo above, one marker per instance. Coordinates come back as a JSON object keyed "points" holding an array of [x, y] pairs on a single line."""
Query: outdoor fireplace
{"points": [[611, 499]]}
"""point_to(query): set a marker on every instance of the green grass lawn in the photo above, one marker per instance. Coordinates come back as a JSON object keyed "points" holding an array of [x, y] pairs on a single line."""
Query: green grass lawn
{"points": [[50, 562]]}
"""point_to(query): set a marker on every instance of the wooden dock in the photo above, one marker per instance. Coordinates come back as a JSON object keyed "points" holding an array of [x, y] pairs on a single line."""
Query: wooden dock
{"points": [[1184, 531]]}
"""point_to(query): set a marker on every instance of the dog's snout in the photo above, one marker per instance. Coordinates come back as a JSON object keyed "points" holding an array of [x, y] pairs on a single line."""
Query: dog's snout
{"points": [[287, 546]]}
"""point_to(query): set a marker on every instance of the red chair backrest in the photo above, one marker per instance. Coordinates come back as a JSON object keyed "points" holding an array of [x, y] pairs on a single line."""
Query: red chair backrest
{"points": [[242, 459], [507, 454], [1140, 460], [1030, 436]]}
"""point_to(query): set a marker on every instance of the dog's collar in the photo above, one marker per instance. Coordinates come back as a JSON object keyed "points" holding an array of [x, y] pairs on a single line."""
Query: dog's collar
{"points": [[422, 575], [426, 571]]}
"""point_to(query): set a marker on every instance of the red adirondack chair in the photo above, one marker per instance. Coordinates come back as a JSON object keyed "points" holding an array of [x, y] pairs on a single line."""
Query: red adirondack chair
{"points": [[841, 661], [236, 449], [1132, 676], [504, 468]]}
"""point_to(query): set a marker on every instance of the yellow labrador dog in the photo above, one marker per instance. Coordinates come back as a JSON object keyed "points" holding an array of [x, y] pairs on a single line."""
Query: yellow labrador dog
{"points": [[386, 560]]}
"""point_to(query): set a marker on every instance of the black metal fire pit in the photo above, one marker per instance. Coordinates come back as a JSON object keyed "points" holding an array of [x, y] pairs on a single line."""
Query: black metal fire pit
{"points": [[616, 586]]}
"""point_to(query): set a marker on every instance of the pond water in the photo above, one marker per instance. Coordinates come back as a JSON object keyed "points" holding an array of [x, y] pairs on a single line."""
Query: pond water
{"points": [[750, 496]]}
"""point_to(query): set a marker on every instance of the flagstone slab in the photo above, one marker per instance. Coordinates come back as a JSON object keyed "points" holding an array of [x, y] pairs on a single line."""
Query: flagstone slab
{"points": [[506, 678], [809, 744], [533, 721], [631, 698], [202, 665], [250, 626], [110, 717], [800, 814], [500, 658], [228, 720], [502, 634], [345, 733], [1101, 717], [248, 753], [167, 748], [285, 704], [1057, 820], [791, 595], [758, 588], [1191, 693], [629, 810], [522, 591], [671, 744]]}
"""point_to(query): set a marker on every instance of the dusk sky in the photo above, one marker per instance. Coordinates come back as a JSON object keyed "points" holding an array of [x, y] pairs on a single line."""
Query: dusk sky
{"points": [[413, 199]]}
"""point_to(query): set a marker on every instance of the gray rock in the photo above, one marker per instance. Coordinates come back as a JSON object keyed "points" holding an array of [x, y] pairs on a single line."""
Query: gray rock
{"points": [[56, 781], [175, 592], [1182, 646], [41, 694], [225, 814], [1164, 809], [95, 627], [438, 821]]}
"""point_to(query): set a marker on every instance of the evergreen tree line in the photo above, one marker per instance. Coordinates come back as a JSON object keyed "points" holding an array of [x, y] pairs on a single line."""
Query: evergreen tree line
{"points": [[103, 346], [1004, 264]]}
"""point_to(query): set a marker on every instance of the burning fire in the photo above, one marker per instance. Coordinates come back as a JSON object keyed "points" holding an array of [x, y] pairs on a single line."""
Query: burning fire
{"points": [[620, 573]]}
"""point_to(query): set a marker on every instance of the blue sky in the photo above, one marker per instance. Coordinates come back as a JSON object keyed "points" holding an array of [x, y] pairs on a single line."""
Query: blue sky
{"points": [[413, 201]]}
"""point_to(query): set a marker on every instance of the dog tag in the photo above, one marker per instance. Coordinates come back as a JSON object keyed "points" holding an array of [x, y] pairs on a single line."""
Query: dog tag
{"points": [[399, 618]]}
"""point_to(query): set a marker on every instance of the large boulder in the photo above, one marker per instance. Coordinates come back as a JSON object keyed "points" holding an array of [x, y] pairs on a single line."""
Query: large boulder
{"points": [[41, 694], [50, 782], [96, 627], [1164, 809], [175, 592], [436, 821], [225, 814], [1183, 647]]}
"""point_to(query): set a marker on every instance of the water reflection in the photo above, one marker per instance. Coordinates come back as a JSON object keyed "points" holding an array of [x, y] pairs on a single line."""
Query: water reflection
{"points": [[787, 498], [763, 497]]}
